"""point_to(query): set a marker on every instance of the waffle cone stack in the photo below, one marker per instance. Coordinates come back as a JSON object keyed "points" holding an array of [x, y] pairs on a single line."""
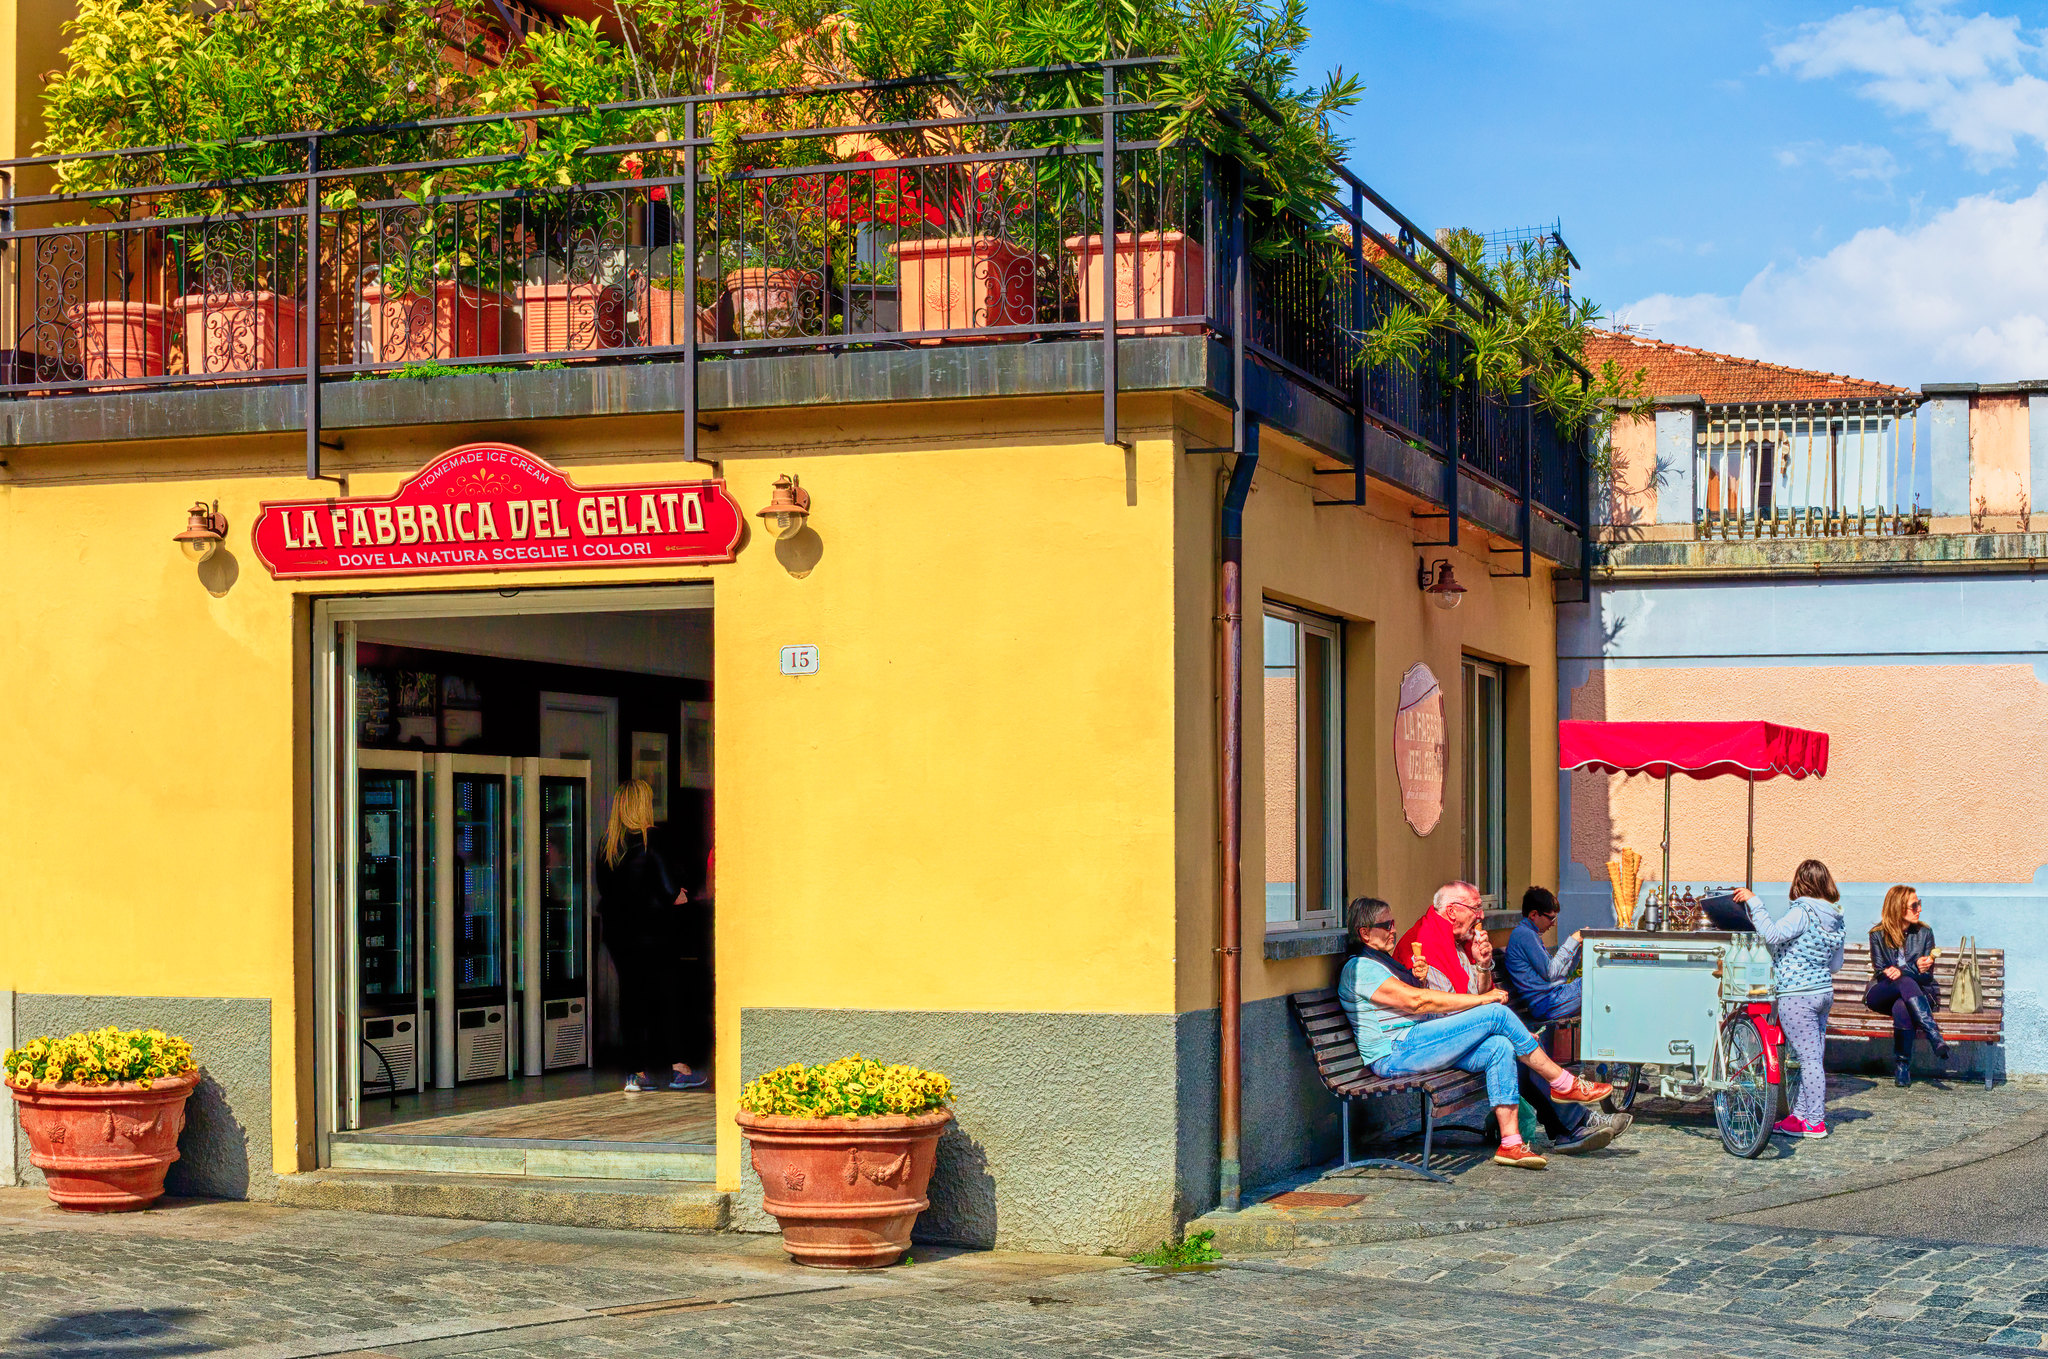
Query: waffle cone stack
{"points": [[1624, 877]]}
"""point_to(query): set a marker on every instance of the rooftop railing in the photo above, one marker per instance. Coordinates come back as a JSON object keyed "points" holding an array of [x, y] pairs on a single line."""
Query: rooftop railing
{"points": [[1812, 469], [378, 251]]}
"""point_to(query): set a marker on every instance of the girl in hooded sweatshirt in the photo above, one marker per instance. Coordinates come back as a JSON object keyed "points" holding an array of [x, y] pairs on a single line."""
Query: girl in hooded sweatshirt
{"points": [[1806, 953]]}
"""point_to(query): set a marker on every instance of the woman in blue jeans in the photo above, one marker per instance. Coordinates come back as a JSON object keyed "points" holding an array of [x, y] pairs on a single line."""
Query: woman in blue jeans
{"points": [[1403, 1030]]}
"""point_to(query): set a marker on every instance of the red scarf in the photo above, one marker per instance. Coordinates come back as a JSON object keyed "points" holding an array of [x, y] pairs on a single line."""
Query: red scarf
{"points": [[1440, 949]]}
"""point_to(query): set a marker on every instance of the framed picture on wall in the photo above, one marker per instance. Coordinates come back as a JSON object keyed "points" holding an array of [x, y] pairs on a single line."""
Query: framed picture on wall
{"points": [[650, 762], [696, 752]]}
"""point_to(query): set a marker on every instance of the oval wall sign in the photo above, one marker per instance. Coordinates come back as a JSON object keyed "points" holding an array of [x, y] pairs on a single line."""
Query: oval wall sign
{"points": [[497, 507], [1420, 752]]}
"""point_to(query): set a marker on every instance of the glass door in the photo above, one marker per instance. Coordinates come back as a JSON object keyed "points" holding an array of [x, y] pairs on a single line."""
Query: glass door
{"points": [[387, 897], [565, 911], [478, 824]]}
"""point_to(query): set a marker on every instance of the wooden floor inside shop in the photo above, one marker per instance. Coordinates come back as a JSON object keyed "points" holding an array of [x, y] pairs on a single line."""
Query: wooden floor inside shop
{"points": [[574, 1106]]}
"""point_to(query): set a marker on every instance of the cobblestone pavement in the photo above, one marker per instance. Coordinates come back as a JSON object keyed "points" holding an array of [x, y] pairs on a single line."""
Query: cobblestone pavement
{"points": [[1658, 1275], [1671, 1162]]}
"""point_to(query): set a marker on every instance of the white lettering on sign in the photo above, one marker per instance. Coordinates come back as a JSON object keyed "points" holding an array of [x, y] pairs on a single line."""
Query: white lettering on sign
{"points": [[799, 660]]}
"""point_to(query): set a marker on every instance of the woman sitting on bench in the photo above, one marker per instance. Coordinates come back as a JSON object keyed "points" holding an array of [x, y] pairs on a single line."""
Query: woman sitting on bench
{"points": [[1902, 981], [1404, 1030]]}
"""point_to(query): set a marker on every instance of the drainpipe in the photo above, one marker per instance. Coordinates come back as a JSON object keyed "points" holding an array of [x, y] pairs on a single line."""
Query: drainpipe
{"points": [[1230, 1122]]}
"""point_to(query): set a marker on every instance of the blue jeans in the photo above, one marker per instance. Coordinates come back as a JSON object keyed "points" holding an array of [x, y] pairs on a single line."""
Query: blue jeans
{"points": [[1486, 1038], [1559, 1002]]}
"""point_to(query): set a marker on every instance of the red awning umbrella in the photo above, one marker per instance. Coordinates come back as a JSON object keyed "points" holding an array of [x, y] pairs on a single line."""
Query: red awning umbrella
{"points": [[1750, 751], [1700, 750]]}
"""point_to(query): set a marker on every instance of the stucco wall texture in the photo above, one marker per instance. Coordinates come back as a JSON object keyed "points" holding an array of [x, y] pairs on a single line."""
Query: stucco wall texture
{"points": [[1926, 770], [224, 1151], [1066, 1135], [2001, 471]]}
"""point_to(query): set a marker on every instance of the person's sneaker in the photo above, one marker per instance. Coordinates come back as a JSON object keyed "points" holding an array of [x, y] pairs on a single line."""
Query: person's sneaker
{"points": [[635, 1086], [1584, 1091], [1518, 1154], [689, 1080], [1596, 1132], [1795, 1126]]}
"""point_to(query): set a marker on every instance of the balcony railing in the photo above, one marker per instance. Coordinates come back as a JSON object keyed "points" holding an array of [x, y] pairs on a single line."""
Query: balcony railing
{"points": [[356, 259], [1811, 469]]}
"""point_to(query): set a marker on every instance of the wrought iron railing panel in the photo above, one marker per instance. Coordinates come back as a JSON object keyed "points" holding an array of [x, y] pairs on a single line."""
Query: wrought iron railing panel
{"points": [[882, 235], [1811, 469]]}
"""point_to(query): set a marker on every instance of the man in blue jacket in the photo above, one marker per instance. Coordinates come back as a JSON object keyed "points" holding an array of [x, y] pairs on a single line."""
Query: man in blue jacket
{"points": [[1536, 975]]}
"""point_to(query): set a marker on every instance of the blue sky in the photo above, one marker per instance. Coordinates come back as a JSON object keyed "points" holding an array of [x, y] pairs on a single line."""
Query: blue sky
{"points": [[1857, 188]]}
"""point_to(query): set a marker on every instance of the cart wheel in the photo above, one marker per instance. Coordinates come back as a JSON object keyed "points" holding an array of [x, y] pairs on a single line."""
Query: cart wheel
{"points": [[1625, 1079], [1749, 1106]]}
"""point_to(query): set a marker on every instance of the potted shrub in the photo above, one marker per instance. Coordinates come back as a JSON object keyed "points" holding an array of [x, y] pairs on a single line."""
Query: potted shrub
{"points": [[1158, 273], [431, 297], [102, 1111], [845, 1154]]}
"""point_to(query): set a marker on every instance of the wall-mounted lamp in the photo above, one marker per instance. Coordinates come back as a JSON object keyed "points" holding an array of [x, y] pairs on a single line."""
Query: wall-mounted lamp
{"points": [[204, 531], [788, 507], [1440, 584]]}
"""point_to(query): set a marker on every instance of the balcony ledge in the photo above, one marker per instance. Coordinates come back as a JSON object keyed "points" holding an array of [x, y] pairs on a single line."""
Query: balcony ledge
{"points": [[926, 373], [1810, 557]]}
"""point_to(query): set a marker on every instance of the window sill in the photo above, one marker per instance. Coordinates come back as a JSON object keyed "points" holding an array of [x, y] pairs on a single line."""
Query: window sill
{"points": [[1303, 944], [1503, 920]]}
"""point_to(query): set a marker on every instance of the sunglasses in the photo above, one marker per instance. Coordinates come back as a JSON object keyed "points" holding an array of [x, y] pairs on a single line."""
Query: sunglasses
{"points": [[1386, 924]]}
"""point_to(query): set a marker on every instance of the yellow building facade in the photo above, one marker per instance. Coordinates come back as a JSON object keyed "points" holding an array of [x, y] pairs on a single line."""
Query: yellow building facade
{"points": [[982, 835]]}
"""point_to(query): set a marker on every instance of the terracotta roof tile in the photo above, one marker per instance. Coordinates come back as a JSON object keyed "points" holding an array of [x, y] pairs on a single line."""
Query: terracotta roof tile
{"points": [[1675, 370]]}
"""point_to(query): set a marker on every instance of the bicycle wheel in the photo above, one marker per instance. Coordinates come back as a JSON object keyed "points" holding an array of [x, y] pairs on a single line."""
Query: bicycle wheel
{"points": [[1745, 1111], [1626, 1080]]}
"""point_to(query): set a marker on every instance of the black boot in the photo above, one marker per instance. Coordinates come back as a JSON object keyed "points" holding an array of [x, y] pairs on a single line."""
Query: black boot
{"points": [[1923, 1015], [1902, 1071]]}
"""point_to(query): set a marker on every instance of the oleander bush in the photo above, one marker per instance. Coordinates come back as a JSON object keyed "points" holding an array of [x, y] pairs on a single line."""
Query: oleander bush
{"points": [[848, 1088], [99, 1057]]}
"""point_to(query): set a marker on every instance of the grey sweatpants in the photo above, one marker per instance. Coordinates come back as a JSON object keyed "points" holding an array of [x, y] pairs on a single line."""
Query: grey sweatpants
{"points": [[1804, 1017]]}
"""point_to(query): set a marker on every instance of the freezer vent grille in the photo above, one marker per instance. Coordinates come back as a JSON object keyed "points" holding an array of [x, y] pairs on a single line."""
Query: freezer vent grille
{"points": [[401, 1051], [565, 1043], [480, 1052]]}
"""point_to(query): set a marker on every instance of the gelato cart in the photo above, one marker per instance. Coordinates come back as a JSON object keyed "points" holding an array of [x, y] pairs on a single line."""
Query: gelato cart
{"points": [[1699, 1006]]}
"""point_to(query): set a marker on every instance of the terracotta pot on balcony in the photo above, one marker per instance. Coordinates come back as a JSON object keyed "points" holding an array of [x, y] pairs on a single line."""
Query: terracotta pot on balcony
{"points": [[104, 1148], [1158, 273], [241, 332], [772, 304], [846, 1190], [120, 339], [458, 322], [661, 310], [964, 283], [563, 318]]}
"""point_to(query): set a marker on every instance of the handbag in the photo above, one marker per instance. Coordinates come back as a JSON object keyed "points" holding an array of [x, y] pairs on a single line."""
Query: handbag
{"points": [[1967, 995]]}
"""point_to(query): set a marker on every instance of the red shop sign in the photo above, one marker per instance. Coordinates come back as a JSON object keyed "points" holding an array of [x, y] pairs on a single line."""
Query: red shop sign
{"points": [[494, 507]]}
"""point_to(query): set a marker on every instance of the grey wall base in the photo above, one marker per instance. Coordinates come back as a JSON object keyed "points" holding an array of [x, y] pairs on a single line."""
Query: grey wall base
{"points": [[9, 1124], [225, 1150], [1074, 1132]]}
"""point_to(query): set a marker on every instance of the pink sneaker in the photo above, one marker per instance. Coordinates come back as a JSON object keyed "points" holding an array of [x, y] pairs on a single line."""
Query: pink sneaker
{"points": [[1794, 1126]]}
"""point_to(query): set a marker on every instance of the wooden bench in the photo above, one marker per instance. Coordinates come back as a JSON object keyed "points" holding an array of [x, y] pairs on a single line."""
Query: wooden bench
{"points": [[1441, 1094], [1851, 1018]]}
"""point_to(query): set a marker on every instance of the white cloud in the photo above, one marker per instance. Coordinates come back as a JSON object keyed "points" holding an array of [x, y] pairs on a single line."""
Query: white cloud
{"points": [[1960, 298], [1972, 79], [1854, 161]]}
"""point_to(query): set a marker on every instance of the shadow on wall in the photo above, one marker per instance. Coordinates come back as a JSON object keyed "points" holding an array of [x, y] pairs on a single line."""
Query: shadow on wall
{"points": [[213, 1153], [963, 1195]]}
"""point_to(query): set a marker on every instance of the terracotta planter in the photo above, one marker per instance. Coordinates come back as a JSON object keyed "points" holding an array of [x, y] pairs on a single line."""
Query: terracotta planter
{"points": [[563, 318], [1158, 273], [661, 323], [458, 322], [120, 339], [964, 283], [104, 1148], [243, 332], [774, 303], [846, 1190]]}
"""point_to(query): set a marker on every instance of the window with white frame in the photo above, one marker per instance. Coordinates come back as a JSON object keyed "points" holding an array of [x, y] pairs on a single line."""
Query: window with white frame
{"points": [[1304, 694], [1485, 820]]}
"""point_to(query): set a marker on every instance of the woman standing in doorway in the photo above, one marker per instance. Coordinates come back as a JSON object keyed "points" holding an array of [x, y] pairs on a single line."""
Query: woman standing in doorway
{"points": [[1806, 953], [640, 898]]}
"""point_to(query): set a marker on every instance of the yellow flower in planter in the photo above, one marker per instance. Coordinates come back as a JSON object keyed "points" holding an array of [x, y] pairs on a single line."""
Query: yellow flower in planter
{"points": [[851, 1087], [99, 1057]]}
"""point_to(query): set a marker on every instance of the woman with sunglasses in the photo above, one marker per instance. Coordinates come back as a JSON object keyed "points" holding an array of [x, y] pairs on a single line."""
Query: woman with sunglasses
{"points": [[1405, 1030], [1902, 981]]}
